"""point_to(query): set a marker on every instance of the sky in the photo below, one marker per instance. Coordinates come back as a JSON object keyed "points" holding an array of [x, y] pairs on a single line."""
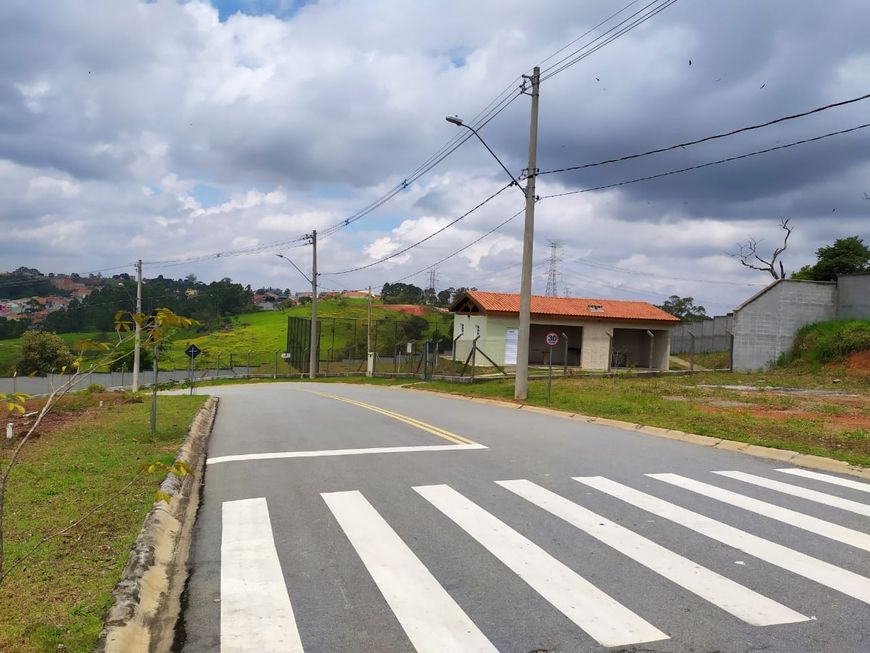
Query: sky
{"points": [[175, 131]]}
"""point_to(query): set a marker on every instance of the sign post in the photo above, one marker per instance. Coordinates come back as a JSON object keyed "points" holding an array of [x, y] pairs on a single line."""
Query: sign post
{"points": [[552, 339], [192, 352]]}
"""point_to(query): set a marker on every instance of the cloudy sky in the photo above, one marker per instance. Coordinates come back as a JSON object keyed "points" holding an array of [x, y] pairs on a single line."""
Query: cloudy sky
{"points": [[173, 130]]}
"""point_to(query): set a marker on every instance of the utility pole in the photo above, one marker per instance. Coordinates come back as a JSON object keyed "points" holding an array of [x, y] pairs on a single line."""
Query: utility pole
{"points": [[369, 336], [521, 387], [137, 346], [315, 340]]}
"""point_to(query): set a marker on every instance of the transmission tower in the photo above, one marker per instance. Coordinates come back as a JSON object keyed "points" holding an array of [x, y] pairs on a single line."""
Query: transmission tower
{"points": [[553, 276], [433, 277]]}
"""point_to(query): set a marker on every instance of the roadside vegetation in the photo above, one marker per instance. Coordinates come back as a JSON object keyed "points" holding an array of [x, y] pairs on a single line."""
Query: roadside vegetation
{"points": [[823, 343], [262, 333], [835, 425], [82, 456]]}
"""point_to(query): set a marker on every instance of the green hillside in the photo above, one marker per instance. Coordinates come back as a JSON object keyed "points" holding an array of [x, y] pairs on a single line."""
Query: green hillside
{"points": [[263, 333]]}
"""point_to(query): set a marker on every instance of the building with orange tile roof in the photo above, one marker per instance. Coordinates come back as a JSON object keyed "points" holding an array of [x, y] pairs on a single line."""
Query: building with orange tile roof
{"points": [[593, 334]]}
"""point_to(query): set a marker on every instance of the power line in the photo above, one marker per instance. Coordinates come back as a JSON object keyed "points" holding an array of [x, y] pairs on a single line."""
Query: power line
{"points": [[630, 23], [713, 137], [710, 163], [423, 240], [462, 249], [488, 113]]}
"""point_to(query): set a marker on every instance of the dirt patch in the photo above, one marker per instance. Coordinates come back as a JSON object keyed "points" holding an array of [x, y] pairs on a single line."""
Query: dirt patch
{"points": [[859, 363], [837, 422], [724, 403], [410, 309]]}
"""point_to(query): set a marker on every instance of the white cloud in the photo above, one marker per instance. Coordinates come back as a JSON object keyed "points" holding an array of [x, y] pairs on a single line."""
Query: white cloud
{"points": [[115, 125]]}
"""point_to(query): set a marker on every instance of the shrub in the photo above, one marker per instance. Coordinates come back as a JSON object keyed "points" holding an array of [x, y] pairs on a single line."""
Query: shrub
{"points": [[43, 352], [95, 388]]}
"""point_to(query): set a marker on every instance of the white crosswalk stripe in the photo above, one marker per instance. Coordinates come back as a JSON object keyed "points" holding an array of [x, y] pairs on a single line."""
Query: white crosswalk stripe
{"points": [[430, 617], [256, 614], [793, 517], [802, 492], [730, 596], [604, 619], [827, 478], [842, 580]]}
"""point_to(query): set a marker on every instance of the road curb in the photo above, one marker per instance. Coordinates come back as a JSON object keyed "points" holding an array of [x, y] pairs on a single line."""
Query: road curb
{"points": [[147, 598], [784, 455]]}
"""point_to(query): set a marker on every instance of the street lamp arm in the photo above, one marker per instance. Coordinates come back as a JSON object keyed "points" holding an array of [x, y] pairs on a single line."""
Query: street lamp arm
{"points": [[459, 123], [295, 266]]}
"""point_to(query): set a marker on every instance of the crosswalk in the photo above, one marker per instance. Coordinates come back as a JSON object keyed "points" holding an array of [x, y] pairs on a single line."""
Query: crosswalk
{"points": [[254, 594]]}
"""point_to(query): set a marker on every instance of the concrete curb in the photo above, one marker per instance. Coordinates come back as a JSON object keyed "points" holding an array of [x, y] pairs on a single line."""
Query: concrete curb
{"points": [[147, 598], [784, 455]]}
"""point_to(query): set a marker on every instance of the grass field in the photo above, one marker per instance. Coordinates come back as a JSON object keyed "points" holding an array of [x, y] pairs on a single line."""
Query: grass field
{"points": [[84, 456], [262, 333], [833, 426]]}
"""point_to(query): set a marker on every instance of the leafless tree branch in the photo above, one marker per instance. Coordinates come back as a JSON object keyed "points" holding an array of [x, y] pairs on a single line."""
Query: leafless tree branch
{"points": [[748, 255]]}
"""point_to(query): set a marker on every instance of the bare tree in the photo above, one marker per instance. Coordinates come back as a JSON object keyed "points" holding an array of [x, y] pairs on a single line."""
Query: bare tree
{"points": [[748, 254]]}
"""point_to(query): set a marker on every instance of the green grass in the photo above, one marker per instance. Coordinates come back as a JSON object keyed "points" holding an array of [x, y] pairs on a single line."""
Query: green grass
{"points": [[11, 347], [715, 360], [826, 342], [57, 599], [677, 402], [261, 333]]}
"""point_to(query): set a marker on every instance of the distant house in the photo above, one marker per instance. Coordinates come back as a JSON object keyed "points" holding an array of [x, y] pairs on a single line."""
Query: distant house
{"points": [[594, 334]]}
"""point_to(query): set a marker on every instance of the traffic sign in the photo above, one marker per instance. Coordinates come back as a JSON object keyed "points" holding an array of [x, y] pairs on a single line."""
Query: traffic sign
{"points": [[552, 339], [193, 351], [286, 355]]}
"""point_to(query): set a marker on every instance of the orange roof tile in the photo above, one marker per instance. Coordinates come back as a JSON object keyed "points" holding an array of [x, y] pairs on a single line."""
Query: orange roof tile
{"points": [[576, 307]]}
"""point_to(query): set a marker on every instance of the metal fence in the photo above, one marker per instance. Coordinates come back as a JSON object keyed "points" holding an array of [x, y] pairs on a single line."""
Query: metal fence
{"points": [[399, 344]]}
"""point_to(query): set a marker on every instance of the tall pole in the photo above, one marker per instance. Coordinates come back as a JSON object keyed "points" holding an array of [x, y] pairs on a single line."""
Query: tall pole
{"points": [[521, 388], [312, 360], [137, 346], [369, 337]]}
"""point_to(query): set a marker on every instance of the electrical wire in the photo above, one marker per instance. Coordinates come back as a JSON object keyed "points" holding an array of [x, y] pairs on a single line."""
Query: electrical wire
{"points": [[710, 163], [630, 23], [713, 137], [423, 240], [462, 249]]}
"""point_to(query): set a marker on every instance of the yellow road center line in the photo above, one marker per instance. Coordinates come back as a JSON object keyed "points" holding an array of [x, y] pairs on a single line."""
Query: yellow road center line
{"points": [[434, 430]]}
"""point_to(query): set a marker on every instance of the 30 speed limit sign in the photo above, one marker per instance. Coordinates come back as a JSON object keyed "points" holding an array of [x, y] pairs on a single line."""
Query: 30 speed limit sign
{"points": [[552, 339]]}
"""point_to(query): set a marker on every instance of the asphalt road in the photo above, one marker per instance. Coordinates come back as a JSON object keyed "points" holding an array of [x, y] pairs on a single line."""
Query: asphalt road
{"points": [[362, 518]]}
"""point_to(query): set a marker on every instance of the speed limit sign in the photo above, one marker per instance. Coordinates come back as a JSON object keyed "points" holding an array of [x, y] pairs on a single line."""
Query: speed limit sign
{"points": [[552, 339]]}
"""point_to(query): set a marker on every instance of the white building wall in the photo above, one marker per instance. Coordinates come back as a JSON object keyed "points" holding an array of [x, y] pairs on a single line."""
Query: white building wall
{"points": [[594, 350]]}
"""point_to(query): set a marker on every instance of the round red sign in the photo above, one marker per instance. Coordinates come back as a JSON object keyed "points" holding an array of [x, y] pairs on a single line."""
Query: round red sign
{"points": [[552, 339]]}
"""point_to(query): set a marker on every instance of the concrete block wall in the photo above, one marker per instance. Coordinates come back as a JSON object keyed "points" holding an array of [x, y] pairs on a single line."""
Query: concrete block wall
{"points": [[853, 297], [710, 335], [764, 327]]}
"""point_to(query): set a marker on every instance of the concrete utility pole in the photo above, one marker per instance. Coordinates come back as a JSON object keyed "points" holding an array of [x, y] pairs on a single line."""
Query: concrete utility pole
{"points": [[137, 346], [521, 387], [312, 359], [369, 335]]}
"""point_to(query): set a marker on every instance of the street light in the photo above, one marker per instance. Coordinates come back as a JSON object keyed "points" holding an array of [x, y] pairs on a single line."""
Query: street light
{"points": [[521, 384], [456, 120]]}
